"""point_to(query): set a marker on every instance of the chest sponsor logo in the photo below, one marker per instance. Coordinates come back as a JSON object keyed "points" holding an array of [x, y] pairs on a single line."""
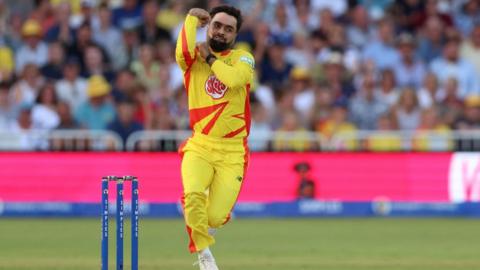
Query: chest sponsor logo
{"points": [[215, 88]]}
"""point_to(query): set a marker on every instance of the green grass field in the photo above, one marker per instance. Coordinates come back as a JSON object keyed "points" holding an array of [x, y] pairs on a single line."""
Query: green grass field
{"points": [[253, 244]]}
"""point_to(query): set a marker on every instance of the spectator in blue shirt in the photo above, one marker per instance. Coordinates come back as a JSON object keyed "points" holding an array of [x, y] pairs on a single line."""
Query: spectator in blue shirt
{"points": [[98, 111], [125, 123]]}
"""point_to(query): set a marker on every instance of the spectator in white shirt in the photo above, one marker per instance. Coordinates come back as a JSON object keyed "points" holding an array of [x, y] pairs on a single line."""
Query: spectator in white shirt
{"points": [[44, 112], [33, 50], [72, 88]]}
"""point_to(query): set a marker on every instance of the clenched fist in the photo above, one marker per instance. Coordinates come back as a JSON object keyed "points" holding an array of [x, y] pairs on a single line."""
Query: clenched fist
{"points": [[202, 15]]}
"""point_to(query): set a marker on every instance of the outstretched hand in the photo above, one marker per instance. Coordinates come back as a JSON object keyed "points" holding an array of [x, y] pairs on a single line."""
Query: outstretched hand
{"points": [[202, 15]]}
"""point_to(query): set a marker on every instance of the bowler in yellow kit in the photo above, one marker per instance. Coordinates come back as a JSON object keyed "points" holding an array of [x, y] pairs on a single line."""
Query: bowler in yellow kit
{"points": [[217, 79]]}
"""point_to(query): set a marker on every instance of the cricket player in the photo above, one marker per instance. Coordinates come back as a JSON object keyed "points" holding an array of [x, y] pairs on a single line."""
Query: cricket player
{"points": [[217, 79]]}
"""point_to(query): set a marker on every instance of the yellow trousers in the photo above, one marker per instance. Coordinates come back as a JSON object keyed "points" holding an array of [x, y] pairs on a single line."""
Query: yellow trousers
{"points": [[213, 171]]}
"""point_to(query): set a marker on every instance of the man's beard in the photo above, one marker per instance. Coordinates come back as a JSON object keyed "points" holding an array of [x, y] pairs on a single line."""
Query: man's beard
{"points": [[219, 46]]}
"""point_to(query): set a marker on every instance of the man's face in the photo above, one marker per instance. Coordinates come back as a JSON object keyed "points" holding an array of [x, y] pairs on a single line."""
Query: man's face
{"points": [[222, 32]]}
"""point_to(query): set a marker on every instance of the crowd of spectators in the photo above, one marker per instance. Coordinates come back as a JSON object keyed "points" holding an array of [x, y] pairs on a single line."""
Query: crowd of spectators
{"points": [[324, 66]]}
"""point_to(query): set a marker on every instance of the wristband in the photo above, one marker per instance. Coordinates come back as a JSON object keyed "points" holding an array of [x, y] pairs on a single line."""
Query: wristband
{"points": [[209, 57]]}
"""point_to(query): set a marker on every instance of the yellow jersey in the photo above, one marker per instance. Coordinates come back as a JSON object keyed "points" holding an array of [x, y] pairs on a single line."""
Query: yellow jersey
{"points": [[218, 95]]}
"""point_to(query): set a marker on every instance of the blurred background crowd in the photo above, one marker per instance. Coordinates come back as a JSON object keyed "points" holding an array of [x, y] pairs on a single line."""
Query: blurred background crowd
{"points": [[322, 66]]}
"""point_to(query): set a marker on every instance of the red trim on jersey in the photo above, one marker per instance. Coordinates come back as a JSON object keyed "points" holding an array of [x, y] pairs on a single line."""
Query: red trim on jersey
{"points": [[186, 78], [225, 52], [235, 132], [191, 244], [186, 54], [240, 116], [198, 114], [246, 157], [247, 109], [229, 216]]}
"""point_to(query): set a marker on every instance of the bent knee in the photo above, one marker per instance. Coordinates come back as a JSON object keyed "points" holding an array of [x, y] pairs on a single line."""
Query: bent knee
{"points": [[216, 221]]}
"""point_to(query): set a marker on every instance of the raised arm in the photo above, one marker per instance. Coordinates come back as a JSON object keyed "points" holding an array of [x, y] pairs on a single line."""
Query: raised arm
{"points": [[185, 50]]}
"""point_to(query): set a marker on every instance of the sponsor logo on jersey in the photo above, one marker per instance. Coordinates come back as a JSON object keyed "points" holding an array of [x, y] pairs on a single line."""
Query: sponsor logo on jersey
{"points": [[215, 88], [248, 60]]}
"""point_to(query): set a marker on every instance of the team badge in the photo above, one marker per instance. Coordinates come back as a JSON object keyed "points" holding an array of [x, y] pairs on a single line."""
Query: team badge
{"points": [[215, 88]]}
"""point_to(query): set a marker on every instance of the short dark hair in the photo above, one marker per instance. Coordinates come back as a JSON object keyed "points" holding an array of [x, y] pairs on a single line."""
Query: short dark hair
{"points": [[230, 10]]}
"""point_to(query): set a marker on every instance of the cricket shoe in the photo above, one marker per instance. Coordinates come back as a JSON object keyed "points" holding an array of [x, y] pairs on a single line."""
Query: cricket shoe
{"points": [[206, 262]]}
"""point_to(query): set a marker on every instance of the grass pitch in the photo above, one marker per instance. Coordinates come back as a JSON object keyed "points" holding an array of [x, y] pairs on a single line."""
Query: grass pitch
{"points": [[253, 244]]}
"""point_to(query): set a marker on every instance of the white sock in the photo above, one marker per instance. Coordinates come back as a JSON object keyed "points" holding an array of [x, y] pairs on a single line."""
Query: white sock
{"points": [[205, 253], [212, 231]]}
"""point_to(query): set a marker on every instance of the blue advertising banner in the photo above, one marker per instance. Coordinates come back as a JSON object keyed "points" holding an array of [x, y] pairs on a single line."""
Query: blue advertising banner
{"points": [[304, 208]]}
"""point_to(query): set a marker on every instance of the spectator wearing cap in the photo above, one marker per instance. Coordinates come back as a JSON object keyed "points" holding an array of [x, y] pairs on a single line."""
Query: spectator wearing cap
{"points": [[97, 112], [469, 120], [128, 15], [86, 14], [72, 89], [409, 71], [110, 37], [451, 64], [470, 48], [381, 50], [365, 108], [61, 30], [149, 31], [56, 59], [33, 50], [332, 73], [7, 63]]}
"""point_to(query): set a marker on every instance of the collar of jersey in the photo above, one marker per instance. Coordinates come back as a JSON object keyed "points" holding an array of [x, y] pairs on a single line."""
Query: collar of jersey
{"points": [[224, 53]]}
